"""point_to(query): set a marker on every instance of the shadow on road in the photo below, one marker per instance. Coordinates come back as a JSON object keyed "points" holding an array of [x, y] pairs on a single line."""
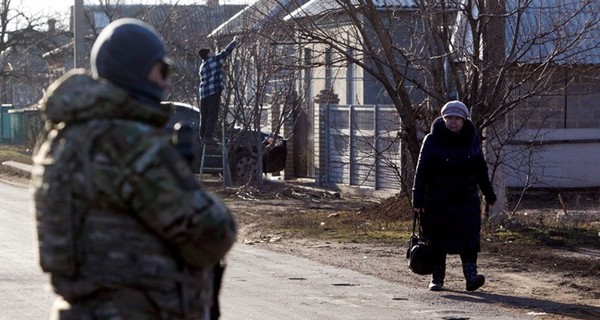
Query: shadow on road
{"points": [[534, 305]]}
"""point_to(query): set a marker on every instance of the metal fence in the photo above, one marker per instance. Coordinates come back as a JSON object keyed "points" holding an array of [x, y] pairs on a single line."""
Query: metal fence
{"points": [[19, 126], [361, 146]]}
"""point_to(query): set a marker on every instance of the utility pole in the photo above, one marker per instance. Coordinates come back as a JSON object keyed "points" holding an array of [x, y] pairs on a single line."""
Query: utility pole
{"points": [[494, 88], [78, 32]]}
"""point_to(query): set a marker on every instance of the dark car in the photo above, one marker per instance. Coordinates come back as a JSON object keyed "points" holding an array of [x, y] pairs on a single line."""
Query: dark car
{"points": [[241, 147]]}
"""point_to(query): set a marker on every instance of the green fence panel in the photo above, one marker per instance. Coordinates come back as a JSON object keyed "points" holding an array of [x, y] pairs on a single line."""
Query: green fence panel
{"points": [[5, 124], [16, 126]]}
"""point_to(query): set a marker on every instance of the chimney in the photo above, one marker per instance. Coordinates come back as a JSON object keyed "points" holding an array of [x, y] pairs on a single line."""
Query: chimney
{"points": [[212, 3], [51, 25]]}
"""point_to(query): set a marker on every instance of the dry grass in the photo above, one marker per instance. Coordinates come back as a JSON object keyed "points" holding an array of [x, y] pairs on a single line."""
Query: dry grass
{"points": [[15, 153], [570, 223]]}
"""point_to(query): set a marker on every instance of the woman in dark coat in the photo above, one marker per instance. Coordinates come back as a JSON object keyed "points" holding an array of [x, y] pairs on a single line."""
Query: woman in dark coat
{"points": [[450, 172]]}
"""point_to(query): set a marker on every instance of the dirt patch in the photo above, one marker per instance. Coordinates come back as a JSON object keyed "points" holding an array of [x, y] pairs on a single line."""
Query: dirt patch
{"points": [[528, 264]]}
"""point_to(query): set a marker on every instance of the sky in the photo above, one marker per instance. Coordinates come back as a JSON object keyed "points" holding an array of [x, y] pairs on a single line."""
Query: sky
{"points": [[62, 6]]}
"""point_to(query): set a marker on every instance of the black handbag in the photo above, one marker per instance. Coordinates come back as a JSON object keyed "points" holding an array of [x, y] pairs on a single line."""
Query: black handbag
{"points": [[419, 250]]}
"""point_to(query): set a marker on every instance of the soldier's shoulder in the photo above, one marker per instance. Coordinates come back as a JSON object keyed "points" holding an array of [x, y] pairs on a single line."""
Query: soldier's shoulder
{"points": [[75, 95], [69, 81]]}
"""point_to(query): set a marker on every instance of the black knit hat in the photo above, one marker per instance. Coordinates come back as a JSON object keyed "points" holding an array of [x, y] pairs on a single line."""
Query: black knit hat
{"points": [[203, 53], [124, 54]]}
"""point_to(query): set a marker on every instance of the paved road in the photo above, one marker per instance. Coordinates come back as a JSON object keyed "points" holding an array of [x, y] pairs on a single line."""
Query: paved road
{"points": [[259, 284], [22, 285]]}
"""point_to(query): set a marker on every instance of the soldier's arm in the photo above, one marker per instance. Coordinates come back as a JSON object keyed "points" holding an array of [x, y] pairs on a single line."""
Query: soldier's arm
{"points": [[167, 197]]}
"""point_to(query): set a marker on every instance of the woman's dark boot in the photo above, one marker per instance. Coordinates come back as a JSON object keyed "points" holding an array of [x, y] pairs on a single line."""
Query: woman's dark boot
{"points": [[474, 280], [437, 278]]}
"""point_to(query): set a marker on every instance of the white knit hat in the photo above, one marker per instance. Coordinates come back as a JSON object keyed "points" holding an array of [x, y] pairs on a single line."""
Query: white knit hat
{"points": [[455, 108]]}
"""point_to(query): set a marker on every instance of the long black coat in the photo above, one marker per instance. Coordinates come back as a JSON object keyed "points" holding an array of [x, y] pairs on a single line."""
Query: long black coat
{"points": [[450, 172]]}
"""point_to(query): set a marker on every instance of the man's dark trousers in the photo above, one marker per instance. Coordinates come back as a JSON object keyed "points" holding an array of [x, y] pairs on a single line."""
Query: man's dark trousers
{"points": [[209, 112]]}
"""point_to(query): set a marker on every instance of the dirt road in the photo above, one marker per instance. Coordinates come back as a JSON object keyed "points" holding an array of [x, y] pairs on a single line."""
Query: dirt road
{"points": [[543, 282], [266, 285], [258, 284]]}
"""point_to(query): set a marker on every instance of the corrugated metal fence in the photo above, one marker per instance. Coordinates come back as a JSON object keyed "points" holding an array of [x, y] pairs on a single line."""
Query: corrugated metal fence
{"points": [[359, 146], [19, 126]]}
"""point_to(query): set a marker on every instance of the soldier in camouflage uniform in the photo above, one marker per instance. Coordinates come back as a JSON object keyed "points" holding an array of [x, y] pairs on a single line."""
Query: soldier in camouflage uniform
{"points": [[125, 229]]}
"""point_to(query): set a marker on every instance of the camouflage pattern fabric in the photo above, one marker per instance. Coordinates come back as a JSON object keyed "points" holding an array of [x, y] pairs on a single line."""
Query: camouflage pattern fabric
{"points": [[124, 228]]}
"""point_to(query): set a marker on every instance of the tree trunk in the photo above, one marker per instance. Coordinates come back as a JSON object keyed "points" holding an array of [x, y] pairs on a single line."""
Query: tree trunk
{"points": [[494, 42]]}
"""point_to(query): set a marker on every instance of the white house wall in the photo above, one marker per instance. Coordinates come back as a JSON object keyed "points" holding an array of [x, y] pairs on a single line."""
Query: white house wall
{"points": [[347, 81], [557, 158]]}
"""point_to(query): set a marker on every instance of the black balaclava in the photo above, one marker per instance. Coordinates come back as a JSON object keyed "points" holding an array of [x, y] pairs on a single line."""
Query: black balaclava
{"points": [[124, 53]]}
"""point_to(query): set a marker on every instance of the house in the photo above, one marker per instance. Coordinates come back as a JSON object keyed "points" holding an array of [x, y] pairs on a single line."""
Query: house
{"points": [[550, 76], [345, 74], [24, 73], [320, 70], [362, 56], [261, 87], [552, 55], [24, 77], [553, 52]]}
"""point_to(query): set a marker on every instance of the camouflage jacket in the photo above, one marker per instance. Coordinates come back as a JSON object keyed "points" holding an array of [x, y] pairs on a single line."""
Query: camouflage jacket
{"points": [[116, 206]]}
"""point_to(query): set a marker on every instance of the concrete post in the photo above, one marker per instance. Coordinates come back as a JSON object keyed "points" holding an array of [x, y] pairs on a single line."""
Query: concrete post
{"points": [[287, 131], [79, 33]]}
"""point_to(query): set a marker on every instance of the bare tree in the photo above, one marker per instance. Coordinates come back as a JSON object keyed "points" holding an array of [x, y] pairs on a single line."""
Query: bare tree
{"points": [[493, 55], [177, 24], [456, 46], [261, 90], [24, 37]]}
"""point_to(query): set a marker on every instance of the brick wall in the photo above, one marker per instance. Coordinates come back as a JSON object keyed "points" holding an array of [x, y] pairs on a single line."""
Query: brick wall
{"points": [[324, 98]]}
